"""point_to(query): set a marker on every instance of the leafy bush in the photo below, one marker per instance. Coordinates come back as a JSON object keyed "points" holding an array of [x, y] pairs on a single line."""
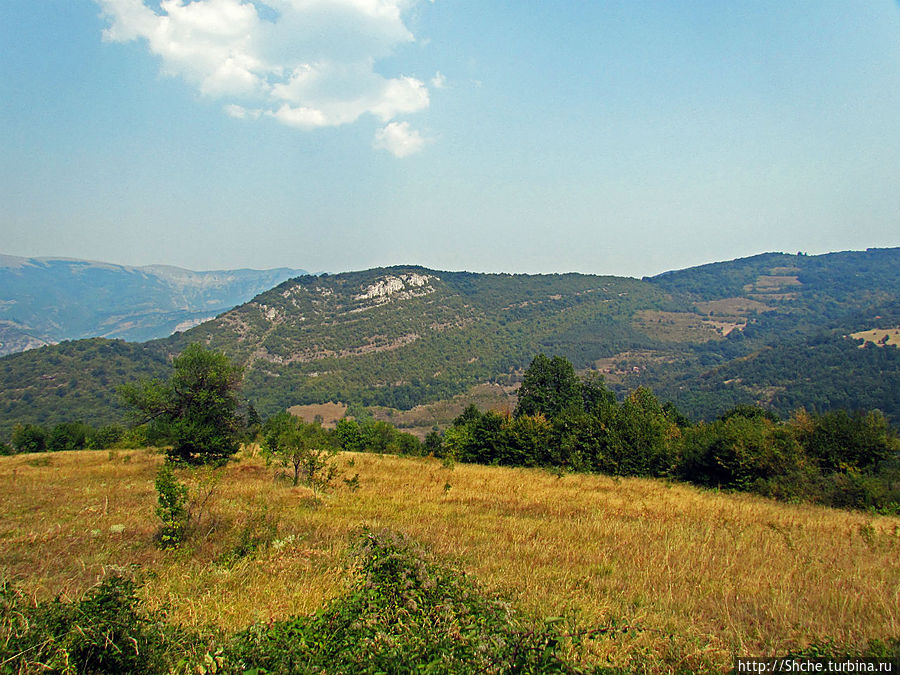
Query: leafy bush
{"points": [[839, 440], [105, 437], [67, 436], [171, 507], [368, 435], [104, 632], [404, 614], [738, 450], [29, 438]]}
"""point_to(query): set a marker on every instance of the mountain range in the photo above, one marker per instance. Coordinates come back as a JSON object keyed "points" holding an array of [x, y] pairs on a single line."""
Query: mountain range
{"points": [[777, 330], [47, 300]]}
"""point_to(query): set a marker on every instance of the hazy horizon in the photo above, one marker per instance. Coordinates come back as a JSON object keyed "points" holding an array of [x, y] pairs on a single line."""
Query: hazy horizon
{"points": [[602, 138]]}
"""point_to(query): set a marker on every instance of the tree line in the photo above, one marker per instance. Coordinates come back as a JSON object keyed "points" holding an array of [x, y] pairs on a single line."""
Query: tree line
{"points": [[838, 458], [562, 421]]}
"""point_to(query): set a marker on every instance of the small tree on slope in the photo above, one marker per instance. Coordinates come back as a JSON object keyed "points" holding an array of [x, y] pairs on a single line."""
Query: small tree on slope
{"points": [[196, 410]]}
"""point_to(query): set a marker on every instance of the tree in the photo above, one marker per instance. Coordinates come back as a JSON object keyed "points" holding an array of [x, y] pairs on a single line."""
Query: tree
{"points": [[309, 448], [642, 436], [839, 440], [196, 410], [550, 387], [68, 436], [29, 438]]}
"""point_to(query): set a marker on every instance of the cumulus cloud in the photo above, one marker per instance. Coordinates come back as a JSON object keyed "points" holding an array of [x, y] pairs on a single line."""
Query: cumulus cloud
{"points": [[399, 139], [305, 63]]}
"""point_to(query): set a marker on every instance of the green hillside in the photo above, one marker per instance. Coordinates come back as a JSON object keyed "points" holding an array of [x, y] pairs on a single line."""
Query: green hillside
{"points": [[768, 329], [406, 335]]}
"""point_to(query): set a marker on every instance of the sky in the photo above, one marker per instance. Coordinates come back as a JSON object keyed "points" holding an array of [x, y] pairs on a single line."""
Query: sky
{"points": [[627, 137]]}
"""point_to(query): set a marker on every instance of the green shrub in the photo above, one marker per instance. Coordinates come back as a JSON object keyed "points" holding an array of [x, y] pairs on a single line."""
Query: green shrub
{"points": [[740, 452], [67, 436], [107, 436], [29, 438], [405, 614], [171, 507], [104, 632], [839, 440]]}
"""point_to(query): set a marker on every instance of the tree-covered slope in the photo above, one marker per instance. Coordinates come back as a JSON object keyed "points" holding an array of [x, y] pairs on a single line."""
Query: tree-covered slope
{"points": [[705, 337], [73, 381], [797, 348], [406, 335]]}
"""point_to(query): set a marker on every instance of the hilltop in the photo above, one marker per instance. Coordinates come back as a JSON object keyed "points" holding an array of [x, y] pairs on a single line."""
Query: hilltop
{"points": [[773, 329]]}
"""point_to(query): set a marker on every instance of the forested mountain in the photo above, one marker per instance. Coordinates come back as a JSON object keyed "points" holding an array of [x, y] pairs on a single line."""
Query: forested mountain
{"points": [[46, 300], [773, 329]]}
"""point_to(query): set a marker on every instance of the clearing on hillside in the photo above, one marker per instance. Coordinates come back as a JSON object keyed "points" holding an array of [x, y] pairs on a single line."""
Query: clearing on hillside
{"points": [[880, 336]]}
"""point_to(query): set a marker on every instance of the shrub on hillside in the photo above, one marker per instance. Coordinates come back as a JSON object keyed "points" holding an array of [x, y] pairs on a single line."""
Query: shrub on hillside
{"points": [[737, 451], [107, 436], [405, 614], [104, 632], [839, 440], [67, 436]]}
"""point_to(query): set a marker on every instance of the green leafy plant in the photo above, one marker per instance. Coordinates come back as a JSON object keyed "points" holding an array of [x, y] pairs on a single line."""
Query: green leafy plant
{"points": [[308, 448], [106, 631], [404, 614], [171, 507], [196, 410]]}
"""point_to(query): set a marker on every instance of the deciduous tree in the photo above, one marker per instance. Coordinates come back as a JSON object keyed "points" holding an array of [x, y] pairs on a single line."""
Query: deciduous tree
{"points": [[309, 448], [196, 410]]}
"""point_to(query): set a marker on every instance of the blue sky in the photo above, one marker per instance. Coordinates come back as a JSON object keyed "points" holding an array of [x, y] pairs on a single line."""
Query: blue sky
{"points": [[604, 137]]}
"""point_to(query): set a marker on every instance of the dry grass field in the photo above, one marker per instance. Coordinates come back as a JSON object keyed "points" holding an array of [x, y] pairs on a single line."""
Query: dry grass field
{"points": [[880, 336], [423, 418], [328, 413], [696, 576], [681, 326]]}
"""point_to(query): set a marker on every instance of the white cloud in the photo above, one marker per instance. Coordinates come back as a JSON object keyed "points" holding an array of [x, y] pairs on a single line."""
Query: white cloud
{"points": [[241, 112], [399, 139], [305, 63], [439, 81]]}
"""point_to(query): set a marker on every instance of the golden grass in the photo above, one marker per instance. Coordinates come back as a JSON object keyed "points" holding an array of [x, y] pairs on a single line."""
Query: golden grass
{"points": [[701, 576], [330, 413], [677, 326], [731, 307], [878, 335], [423, 418]]}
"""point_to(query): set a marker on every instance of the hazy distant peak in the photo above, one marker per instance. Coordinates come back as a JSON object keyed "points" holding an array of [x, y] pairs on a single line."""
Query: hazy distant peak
{"points": [[55, 298]]}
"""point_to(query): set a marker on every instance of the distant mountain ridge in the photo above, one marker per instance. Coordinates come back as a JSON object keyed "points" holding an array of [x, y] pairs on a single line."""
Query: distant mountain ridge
{"points": [[773, 329], [47, 300]]}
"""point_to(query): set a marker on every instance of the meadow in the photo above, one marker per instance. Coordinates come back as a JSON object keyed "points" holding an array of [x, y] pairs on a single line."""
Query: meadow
{"points": [[679, 578]]}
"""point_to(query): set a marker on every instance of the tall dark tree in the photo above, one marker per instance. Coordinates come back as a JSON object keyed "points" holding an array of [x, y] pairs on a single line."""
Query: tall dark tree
{"points": [[196, 410], [29, 438], [550, 387], [596, 397]]}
